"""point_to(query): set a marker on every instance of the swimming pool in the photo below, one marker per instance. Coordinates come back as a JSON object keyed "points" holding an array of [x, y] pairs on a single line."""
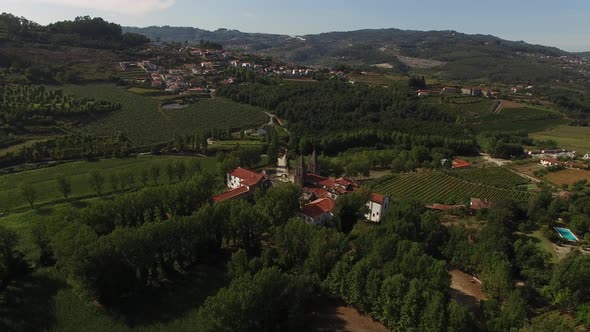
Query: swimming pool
{"points": [[566, 234]]}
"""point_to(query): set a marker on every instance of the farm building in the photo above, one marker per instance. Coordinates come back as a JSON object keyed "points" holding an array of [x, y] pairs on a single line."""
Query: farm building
{"points": [[460, 163], [472, 91], [378, 205], [477, 204], [550, 162], [445, 207], [552, 153], [424, 93], [449, 90]]}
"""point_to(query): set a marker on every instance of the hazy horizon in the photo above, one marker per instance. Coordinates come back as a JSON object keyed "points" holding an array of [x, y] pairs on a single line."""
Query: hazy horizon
{"points": [[563, 25]]}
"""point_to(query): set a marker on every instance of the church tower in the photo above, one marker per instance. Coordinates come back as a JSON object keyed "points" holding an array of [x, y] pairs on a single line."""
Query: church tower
{"points": [[300, 172], [314, 164]]}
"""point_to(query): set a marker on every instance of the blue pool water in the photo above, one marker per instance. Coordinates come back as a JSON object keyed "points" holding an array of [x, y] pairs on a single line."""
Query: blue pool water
{"points": [[566, 234]]}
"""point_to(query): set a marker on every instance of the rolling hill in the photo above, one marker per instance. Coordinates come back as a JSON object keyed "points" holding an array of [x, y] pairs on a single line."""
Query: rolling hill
{"points": [[450, 54]]}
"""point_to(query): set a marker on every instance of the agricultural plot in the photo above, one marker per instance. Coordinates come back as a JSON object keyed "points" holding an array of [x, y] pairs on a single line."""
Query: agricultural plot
{"points": [[513, 119], [467, 107], [44, 179], [568, 137], [567, 176], [437, 187], [143, 121], [491, 176]]}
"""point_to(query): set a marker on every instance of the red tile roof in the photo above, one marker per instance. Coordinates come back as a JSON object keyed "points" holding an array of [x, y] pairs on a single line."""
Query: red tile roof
{"points": [[314, 178], [318, 207], [459, 163], [233, 193], [551, 160], [248, 177], [344, 182], [318, 192], [478, 204], [377, 198]]}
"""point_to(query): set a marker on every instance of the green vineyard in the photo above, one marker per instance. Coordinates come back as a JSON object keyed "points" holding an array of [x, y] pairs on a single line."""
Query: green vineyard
{"points": [[492, 176], [437, 187], [143, 121]]}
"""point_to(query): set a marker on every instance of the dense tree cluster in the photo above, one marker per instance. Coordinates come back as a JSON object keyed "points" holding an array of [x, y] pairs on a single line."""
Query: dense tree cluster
{"points": [[82, 31], [12, 263], [333, 105]]}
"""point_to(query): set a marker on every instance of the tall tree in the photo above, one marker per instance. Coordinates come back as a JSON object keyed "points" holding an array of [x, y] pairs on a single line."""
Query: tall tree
{"points": [[29, 193], [280, 203], [64, 185], [96, 181]]}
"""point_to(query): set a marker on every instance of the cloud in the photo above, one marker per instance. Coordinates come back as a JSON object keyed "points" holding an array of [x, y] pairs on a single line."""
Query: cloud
{"points": [[130, 7]]}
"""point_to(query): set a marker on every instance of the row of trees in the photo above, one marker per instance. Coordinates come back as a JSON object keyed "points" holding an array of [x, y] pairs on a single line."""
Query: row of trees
{"points": [[123, 180]]}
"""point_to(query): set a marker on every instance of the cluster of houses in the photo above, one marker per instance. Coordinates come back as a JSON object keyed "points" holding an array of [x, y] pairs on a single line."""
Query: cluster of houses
{"points": [[319, 193], [551, 158], [474, 91], [208, 63]]}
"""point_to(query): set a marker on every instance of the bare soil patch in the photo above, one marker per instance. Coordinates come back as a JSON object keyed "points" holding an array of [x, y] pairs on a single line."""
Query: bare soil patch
{"points": [[466, 289], [512, 104], [334, 316], [420, 63], [568, 176]]}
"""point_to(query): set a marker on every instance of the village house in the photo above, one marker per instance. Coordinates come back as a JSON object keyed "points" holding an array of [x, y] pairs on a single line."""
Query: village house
{"points": [[449, 90], [378, 205], [424, 93], [472, 91], [241, 183], [552, 153], [550, 162], [318, 212]]}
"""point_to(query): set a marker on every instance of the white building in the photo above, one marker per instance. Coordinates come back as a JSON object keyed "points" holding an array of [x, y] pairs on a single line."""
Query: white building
{"points": [[241, 177], [378, 205]]}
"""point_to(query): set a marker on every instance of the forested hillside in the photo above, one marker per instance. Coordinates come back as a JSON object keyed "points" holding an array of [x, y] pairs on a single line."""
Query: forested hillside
{"points": [[467, 56]]}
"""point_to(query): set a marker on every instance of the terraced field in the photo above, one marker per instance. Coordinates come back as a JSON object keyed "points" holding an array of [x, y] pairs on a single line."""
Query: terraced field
{"points": [[492, 176], [437, 187]]}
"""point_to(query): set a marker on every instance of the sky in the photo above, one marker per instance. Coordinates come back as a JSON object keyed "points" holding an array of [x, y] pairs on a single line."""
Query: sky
{"points": [[561, 23]]}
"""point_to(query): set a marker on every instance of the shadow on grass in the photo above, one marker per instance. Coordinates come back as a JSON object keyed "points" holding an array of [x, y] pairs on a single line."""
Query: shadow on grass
{"points": [[27, 304], [187, 292]]}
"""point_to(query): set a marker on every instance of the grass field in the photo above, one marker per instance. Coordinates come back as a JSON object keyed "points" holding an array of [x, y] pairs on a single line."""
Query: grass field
{"points": [[437, 187], [44, 181], [567, 176], [492, 176], [144, 122], [568, 137]]}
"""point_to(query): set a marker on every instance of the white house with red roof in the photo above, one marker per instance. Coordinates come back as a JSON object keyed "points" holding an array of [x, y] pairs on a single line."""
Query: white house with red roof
{"points": [[241, 183], [550, 162], [240, 177], [318, 212], [377, 207]]}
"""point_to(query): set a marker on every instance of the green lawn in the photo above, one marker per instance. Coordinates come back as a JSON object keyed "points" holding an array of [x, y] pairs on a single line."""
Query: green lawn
{"points": [[568, 137], [145, 122], [43, 180], [545, 244]]}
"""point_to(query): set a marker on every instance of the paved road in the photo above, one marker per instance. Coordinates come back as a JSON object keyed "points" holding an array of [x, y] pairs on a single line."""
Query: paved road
{"points": [[270, 122], [499, 108]]}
